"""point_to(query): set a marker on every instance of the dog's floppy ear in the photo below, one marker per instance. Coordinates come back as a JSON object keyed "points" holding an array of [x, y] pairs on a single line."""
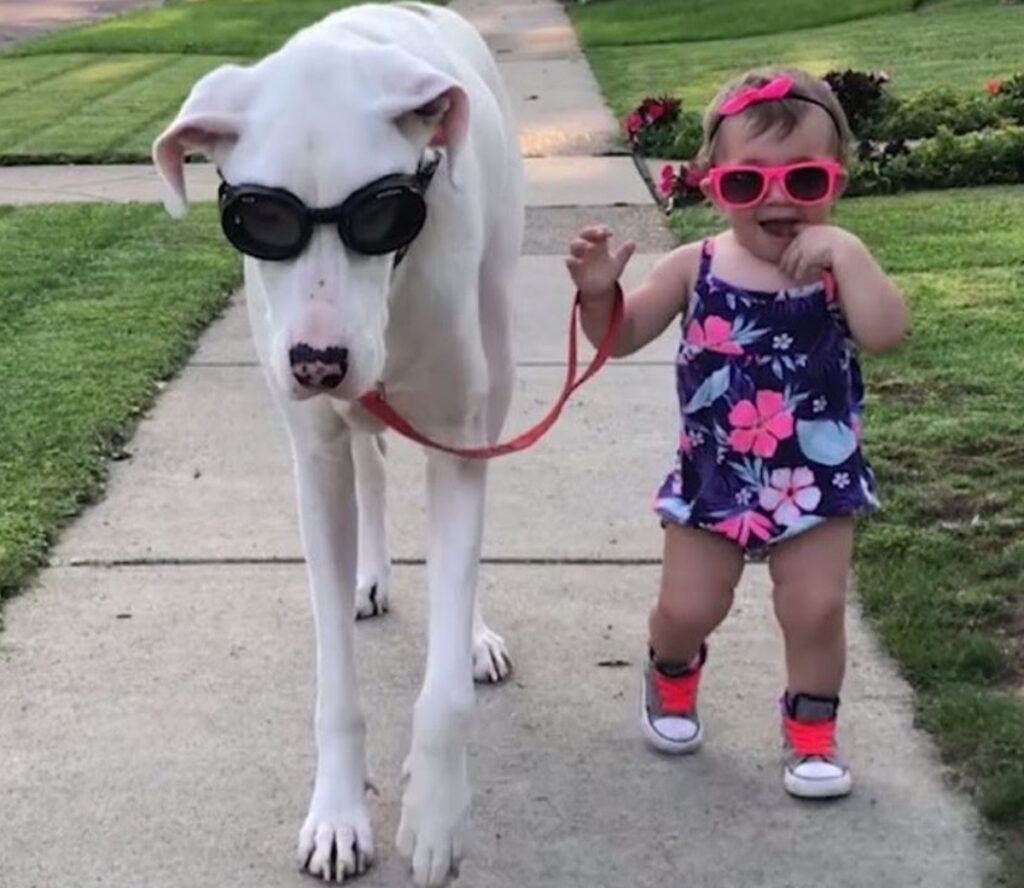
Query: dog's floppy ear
{"points": [[210, 117], [410, 86], [447, 114]]}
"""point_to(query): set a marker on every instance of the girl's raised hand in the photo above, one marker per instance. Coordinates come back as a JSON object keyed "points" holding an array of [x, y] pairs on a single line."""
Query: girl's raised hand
{"points": [[593, 266]]}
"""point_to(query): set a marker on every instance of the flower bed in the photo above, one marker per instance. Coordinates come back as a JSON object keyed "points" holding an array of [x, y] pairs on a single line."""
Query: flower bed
{"points": [[934, 139], [660, 128]]}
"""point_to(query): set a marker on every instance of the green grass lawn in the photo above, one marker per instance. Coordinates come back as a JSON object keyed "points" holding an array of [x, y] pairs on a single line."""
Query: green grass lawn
{"points": [[621, 22], [205, 27], [99, 302], [101, 93], [940, 570], [960, 45], [98, 108]]}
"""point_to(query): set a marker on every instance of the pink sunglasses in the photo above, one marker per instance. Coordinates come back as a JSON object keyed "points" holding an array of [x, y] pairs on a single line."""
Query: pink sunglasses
{"points": [[809, 184]]}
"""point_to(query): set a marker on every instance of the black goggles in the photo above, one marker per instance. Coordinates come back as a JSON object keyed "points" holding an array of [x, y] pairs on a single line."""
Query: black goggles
{"points": [[272, 223]]}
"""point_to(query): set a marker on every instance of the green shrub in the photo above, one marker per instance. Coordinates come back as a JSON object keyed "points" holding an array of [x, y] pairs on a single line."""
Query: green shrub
{"points": [[925, 114], [992, 157]]}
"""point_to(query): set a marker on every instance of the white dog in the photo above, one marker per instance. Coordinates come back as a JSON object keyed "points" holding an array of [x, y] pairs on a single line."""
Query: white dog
{"points": [[325, 149]]}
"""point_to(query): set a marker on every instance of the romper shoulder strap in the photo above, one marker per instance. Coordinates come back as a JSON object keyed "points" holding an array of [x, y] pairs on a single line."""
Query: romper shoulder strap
{"points": [[700, 286], [707, 250]]}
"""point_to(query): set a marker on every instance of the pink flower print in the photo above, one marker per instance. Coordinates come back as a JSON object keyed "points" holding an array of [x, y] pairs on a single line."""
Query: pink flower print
{"points": [[790, 493], [760, 427], [741, 526], [685, 444], [715, 336]]}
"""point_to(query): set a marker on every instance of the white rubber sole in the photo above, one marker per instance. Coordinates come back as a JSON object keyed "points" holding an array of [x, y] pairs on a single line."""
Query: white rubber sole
{"points": [[671, 747], [663, 744], [805, 788]]}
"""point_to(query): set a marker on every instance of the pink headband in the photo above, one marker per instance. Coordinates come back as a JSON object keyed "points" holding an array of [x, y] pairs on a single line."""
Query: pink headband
{"points": [[774, 91]]}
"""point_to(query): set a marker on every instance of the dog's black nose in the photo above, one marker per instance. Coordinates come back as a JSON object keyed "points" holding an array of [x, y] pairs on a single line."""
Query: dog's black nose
{"points": [[322, 368]]}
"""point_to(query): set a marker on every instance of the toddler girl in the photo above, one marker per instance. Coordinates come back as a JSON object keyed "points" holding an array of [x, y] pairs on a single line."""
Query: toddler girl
{"points": [[769, 460]]}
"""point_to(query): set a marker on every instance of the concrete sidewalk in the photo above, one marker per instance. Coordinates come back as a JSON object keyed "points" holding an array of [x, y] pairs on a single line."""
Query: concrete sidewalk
{"points": [[156, 685], [551, 181]]}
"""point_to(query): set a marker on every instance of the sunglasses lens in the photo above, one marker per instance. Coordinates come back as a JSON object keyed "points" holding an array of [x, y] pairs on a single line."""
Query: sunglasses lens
{"points": [[264, 226], [808, 183], [384, 221], [742, 186]]}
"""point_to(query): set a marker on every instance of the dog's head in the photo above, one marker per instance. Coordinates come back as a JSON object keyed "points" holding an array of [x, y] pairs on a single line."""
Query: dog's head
{"points": [[317, 121]]}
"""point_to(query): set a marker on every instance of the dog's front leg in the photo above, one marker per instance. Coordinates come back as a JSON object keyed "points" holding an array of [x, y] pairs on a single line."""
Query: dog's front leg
{"points": [[374, 578], [435, 808], [335, 841]]}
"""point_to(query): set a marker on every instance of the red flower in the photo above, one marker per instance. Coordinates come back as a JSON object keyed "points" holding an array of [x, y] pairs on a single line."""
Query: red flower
{"points": [[693, 177], [655, 113], [668, 180], [634, 123], [994, 87]]}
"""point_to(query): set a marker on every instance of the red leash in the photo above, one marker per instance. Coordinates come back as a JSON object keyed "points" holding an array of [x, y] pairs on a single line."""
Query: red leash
{"points": [[375, 403]]}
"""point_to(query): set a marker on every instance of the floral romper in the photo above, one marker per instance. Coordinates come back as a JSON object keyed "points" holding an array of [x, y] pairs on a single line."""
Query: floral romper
{"points": [[770, 400]]}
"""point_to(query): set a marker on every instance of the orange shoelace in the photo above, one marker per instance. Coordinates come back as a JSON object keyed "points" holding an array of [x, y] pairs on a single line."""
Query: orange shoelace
{"points": [[678, 695], [811, 738]]}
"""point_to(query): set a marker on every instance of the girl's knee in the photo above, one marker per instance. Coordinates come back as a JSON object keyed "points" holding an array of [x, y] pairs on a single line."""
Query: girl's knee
{"points": [[811, 612], [684, 609], [816, 557]]}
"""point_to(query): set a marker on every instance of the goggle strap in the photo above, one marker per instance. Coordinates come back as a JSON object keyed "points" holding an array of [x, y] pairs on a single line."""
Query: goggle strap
{"points": [[424, 175]]}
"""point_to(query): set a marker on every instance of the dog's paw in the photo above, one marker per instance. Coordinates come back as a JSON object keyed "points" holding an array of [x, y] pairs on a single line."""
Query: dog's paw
{"points": [[435, 819], [491, 662], [336, 847], [373, 595]]}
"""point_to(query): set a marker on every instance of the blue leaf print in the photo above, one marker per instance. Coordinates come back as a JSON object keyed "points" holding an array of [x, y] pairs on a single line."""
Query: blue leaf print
{"points": [[750, 471], [825, 441], [676, 509], [745, 333], [710, 391], [804, 522], [730, 300], [793, 398]]}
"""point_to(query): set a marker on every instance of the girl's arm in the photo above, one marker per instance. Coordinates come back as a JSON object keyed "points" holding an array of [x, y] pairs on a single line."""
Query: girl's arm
{"points": [[648, 309], [874, 308], [873, 305]]}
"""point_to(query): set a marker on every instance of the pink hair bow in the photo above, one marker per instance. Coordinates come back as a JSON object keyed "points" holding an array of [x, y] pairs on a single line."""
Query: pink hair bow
{"points": [[771, 92]]}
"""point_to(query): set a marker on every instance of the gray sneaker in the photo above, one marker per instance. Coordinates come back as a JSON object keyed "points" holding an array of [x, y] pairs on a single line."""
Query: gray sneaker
{"points": [[668, 712], [813, 767]]}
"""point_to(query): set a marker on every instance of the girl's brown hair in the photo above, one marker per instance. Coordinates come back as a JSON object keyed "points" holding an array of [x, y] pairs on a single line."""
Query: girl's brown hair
{"points": [[783, 114]]}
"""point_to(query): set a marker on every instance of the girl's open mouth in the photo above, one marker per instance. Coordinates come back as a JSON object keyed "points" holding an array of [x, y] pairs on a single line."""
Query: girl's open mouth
{"points": [[781, 228]]}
